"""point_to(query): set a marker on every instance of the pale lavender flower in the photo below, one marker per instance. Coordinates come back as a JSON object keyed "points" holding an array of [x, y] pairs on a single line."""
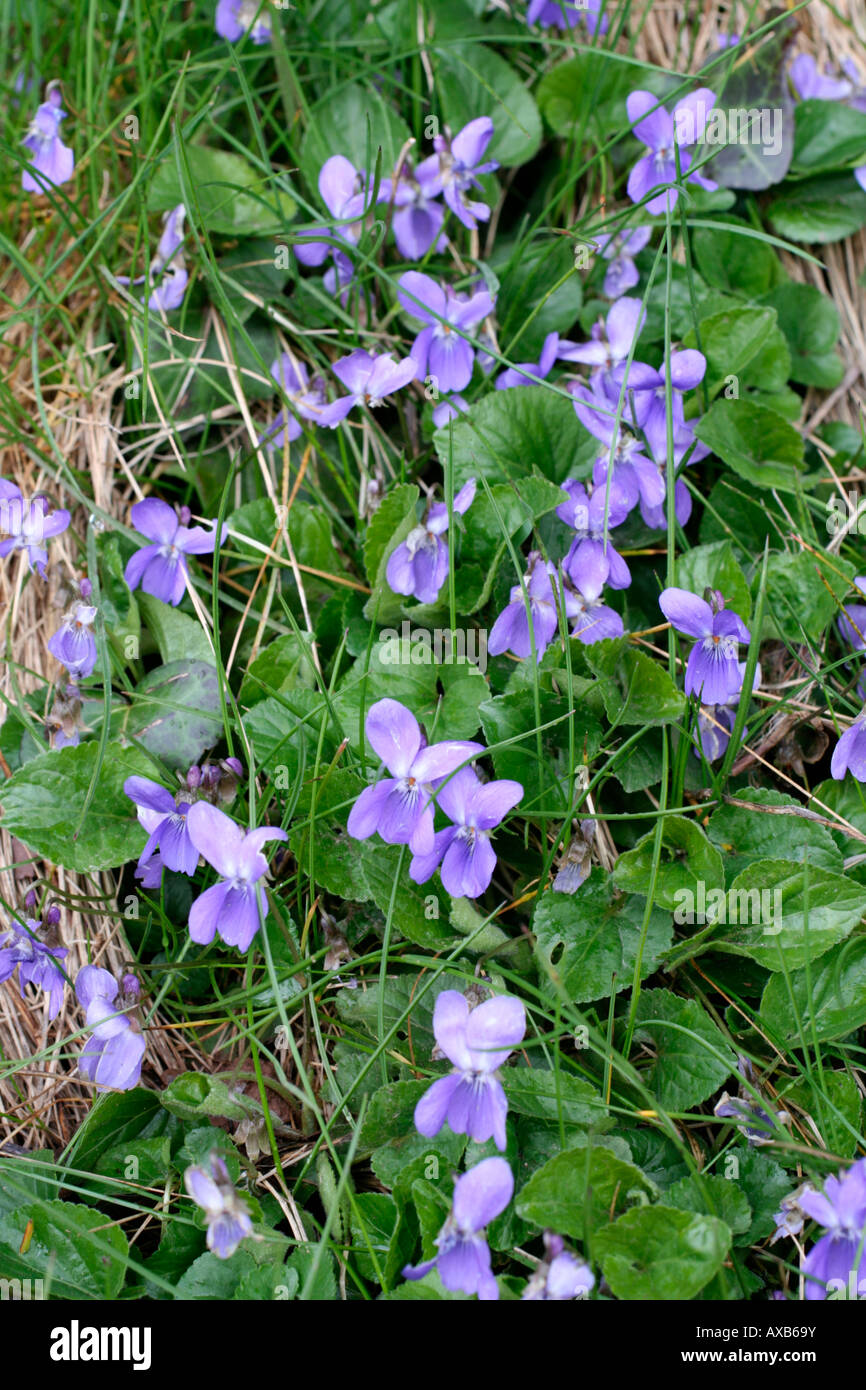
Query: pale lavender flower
{"points": [[662, 133], [633, 476], [112, 1057], [511, 631], [527, 373], [849, 755], [756, 1124], [400, 807], [840, 1255], [22, 946], [369, 380], [419, 565], [454, 169], [165, 818], [167, 271], [558, 14], [561, 1276], [53, 161], [716, 722], [610, 341], [713, 669], [476, 1042], [619, 248], [73, 644], [227, 1215], [27, 525], [235, 907], [467, 858], [591, 620], [463, 1255], [449, 408], [417, 219], [347, 193], [441, 347], [161, 568], [234, 18], [306, 401], [586, 515], [811, 84]]}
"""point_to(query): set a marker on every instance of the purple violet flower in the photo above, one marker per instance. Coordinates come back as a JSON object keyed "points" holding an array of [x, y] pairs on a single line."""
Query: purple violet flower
{"points": [[161, 568], [438, 348], [610, 342], [112, 1058], [234, 18], [417, 219], [634, 477], [449, 408], [716, 722], [586, 516], [164, 817], [235, 907], [810, 84], [477, 1042], [713, 669], [839, 1256], [53, 161], [21, 946], [561, 1276], [454, 169], [369, 380], [400, 807], [517, 376], [619, 248], [74, 644], [756, 1124], [226, 1213], [463, 1255], [556, 13], [592, 620], [27, 525], [419, 565], [467, 858], [662, 133], [510, 632], [849, 755], [167, 269], [346, 192], [306, 401]]}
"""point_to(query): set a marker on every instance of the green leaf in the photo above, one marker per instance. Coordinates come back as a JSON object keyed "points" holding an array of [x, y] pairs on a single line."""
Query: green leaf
{"points": [[175, 712], [661, 1254], [178, 637], [508, 433], [232, 197], [585, 94], [730, 340], [374, 1223], [390, 525], [509, 511], [811, 325], [819, 210], [715, 567], [729, 1202], [743, 836], [754, 441], [339, 124], [794, 913], [635, 689], [734, 263], [579, 1191], [472, 81], [75, 1247], [542, 772], [195, 1096], [527, 297], [583, 941], [548, 1095], [827, 135], [692, 1057], [390, 1113], [687, 859], [821, 1004], [43, 801], [116, 1118], [764, 1183], [834, 1106], [804, 593]]}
